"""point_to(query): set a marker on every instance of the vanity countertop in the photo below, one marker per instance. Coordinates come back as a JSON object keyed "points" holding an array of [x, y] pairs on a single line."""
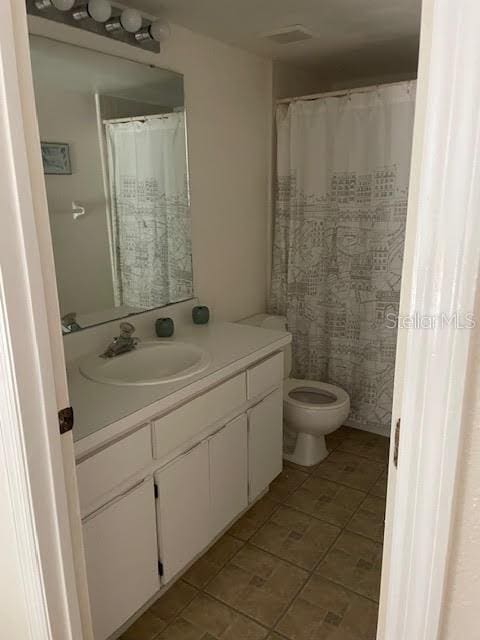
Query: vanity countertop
{"points": [[104, 411]]}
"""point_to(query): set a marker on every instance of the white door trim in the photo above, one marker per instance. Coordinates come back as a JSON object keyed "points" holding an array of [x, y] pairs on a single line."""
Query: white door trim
{"points": [[30, 443], [444, 259]]}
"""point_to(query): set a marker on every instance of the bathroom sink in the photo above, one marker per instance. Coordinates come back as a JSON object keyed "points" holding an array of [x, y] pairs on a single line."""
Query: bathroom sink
{"points": [[149, 363]]}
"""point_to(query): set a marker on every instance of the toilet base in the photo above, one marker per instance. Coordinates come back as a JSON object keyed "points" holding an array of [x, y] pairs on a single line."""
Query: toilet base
{"points": [[309, 450]]}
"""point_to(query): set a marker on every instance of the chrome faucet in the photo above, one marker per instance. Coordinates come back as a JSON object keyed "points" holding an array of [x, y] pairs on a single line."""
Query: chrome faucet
{"points": [[123, 343]]}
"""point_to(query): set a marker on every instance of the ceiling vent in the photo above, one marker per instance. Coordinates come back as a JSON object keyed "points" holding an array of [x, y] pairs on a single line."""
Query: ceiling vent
{"points": [[287, 35]]}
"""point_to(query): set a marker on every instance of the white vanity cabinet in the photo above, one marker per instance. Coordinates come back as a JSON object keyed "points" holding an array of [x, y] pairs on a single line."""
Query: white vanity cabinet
{"points": [[210, 457], [121, 556]]}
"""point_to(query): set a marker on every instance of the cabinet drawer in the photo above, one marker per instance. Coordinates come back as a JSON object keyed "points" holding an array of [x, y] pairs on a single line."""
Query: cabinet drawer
{"points": [[103, 471], [181, 425], [264, 376]]}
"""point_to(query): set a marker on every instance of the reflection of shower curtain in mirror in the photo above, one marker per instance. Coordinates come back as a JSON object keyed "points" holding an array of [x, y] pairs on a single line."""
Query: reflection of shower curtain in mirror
{"points": [[150, 215], [343, 170]]}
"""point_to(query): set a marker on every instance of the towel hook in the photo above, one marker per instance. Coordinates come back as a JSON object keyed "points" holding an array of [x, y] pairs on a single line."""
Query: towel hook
{"points": [[77, 210]]}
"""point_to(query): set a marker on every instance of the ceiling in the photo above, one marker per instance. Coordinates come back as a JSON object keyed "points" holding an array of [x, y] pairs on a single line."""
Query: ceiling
{"points": [[382, 33]]}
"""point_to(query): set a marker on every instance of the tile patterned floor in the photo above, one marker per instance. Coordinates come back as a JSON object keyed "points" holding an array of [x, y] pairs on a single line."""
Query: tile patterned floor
{"points": [[304, 563]]}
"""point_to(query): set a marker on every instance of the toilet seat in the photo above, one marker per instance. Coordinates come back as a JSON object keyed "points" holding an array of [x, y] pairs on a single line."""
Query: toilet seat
{"points": [[312, 386]]}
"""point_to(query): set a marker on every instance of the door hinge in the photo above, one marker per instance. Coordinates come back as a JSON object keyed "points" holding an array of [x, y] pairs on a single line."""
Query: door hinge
{"points": [[155, 490], [65, 419], [396, 443], [160, 568]]}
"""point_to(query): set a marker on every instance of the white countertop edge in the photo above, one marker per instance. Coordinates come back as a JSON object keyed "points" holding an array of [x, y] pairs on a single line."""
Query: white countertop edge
{"points": [[117, 429]]}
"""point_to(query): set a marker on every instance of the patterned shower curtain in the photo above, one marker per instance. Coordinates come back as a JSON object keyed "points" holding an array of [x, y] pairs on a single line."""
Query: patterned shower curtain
{"points": [[342, 184], [150, 215]]}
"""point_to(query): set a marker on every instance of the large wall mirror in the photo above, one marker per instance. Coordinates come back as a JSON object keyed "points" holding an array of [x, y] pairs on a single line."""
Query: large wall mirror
{"points": [[114, 153]]}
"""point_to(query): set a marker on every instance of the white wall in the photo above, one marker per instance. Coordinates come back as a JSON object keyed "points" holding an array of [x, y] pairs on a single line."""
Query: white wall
{"points": [[228, 96], [290, 80]]}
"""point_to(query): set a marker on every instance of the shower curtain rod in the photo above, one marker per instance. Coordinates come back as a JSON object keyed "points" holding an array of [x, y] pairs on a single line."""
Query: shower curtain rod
{"points": [[154, 116], [343, 92]]}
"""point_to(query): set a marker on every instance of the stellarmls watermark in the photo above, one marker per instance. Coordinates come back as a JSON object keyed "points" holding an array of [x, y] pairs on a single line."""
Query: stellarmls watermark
{"points": [[420, 321]]}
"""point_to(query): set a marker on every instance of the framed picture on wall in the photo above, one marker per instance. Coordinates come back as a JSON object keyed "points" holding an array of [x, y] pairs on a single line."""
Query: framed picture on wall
{"points": [[56, 158]]}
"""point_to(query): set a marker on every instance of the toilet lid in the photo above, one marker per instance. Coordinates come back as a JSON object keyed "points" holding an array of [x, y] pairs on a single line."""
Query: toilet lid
{"points": [[314, 394]]}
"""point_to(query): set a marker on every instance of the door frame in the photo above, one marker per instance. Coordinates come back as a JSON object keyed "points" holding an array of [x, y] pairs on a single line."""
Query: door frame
{"points": [[439, 276], [440, 273]]}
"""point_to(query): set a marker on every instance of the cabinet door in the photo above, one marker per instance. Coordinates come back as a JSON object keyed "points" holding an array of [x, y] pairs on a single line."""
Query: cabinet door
{"points": [[228, 473], [183, 509], [121, 556], [265, 443]]}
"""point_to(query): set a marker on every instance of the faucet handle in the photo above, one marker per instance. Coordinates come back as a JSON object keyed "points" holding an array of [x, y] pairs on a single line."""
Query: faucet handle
{"points": [[69, 318], [126, 329]]}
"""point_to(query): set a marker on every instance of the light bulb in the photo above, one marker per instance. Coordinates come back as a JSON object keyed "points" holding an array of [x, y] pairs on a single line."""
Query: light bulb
{"points": [[159, 30], [99, 10], [131, 20], [63, 5]]}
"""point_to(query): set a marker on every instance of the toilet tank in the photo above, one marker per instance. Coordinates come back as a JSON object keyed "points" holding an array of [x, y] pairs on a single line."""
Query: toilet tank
{"points": [[276, 323]]}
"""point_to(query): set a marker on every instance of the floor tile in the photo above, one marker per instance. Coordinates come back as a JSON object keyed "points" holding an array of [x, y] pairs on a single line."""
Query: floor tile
{"points": [[369, 445], [161, 613], [355, 563], [335, 438], [370, 519], [325, 611], [379, 489], [286, 483], [351, 470], [327, 500], [147, 627], [212, 561], [253, 519], [296, 537], [173, 601], [257, 584], [299, 467], [208, 619]]}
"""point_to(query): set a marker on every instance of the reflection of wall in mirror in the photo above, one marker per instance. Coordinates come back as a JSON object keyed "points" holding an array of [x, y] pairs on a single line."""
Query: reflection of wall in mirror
{"points": [[112, 107], [81, 251]]}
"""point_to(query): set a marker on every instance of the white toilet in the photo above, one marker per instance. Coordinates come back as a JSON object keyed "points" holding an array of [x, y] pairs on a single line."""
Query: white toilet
{"points": [[312, 409]]}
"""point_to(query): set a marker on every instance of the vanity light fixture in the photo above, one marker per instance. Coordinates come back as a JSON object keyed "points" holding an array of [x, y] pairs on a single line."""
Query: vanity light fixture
{"points": [[125, 25], [98, 10], [61, 5], [130, 20], [158, 31]]}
